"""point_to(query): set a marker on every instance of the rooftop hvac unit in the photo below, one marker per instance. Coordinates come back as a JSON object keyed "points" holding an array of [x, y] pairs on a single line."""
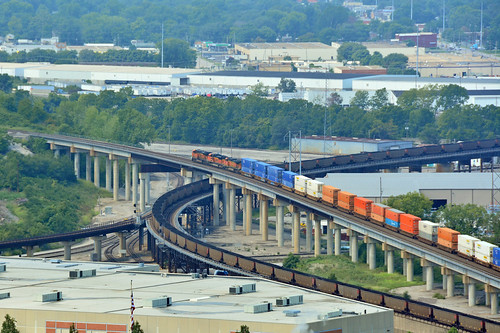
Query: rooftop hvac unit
{"points": [[76, 274], [243, 289], [291, 313], [160, 302], [195, 275], [332, 314], [3, 267], [51, 297], [290, 300], [258, 308], [4, 295]]}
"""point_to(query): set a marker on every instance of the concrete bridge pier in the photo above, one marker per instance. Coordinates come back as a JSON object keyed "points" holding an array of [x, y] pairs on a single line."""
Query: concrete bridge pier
{"points": [[88, 168], [148, 188], [371, 253], [409, 265], [317, 234], [264, 216], [295, 228], [97, 180], [67, 250], [29, 250], [338, 238], [188, 176], [127, 180], [492, 296], [329, 237], [216, 201], [76, 160], [116, 175], [248, 208], [353, 240], [98, 246], [122, 238], [142, 192], [141, 238], [135, 182], [309, 228], [470, 286], [280, 222], [108, 174], [450, 281], [428, 272], [231, 206], [389, 255]]}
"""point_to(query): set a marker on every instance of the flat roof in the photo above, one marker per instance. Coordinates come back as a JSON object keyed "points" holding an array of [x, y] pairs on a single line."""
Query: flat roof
{"points": [[430, 80], [288, 75], [353, 139], [368, 184], [281, 46], [109, 293]]}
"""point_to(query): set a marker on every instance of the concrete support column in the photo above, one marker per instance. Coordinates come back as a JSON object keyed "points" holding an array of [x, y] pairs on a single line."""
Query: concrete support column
{"points": [[216, 202], [116, 183], [76, 160], [264, 217], [88, 167], [243, 204], [329, 238], [232, 207], [135, 181], [471, 289], [280, 222], [296, 228], [405, 266], [248, 208], [450, 281], [67, 250], [57, 153], [122, 238], [108, 175], [492, 298], [389, 255], [371, 252], [29, 250], [97, 180], [353, 238], [409, 265], [98, 247], [148, 188], [428, 271], [317, 234], [338, 238], [309, 227], [127, 181], [188, 176], [142, 192]]}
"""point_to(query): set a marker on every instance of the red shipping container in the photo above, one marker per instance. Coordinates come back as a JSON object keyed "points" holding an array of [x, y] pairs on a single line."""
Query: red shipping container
{"points": [[330, 194], [393, 214], [448, 234], [379, 209]]}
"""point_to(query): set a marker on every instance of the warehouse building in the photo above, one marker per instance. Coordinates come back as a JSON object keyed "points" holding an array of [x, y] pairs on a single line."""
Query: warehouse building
{"points": [[443, 188], [43, 297], [278, 51], [337, 145]]}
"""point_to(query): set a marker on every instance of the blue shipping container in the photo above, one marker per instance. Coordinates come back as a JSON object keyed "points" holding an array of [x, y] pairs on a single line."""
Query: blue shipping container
{"points": [[496, 253], [392, 223], [288, 179], [248, 165], [496, 262]]}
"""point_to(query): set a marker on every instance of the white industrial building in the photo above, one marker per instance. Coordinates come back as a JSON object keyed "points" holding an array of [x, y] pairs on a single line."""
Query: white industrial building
{"points": [[278, 51], [443, 188], [333, 145]]}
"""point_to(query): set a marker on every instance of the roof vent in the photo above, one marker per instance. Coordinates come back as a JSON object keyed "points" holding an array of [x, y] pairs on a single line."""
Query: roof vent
{"points": [[51, 297], [290, 300], [3, 267], [160, 302], [332, 314], [258, 308], [77, 274], [291, 313], [4, 295]]}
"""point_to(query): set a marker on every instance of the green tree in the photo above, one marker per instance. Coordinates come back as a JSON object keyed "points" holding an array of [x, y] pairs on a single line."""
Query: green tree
{"points": [[9, 325], [468, 219], [291, 261], [72, 329], [347, 51], [450, 96], [380, 99], [6, 83], [334, 99], [136, 328], [177, 53], [412, 203], [361, 99], [244, 329], [286, 85], [260, 90], [4, 142]]}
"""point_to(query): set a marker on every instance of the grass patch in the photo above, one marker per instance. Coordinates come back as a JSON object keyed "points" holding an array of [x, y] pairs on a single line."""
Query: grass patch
{"points": [[438, 296], [354, 273]]}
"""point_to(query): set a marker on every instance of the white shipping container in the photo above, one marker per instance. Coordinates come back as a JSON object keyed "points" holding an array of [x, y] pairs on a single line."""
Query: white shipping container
{"points": [[483, 247], [467, 241], [428, 227], [483, 257], [466, 250], [301, 183], [314, 188]]}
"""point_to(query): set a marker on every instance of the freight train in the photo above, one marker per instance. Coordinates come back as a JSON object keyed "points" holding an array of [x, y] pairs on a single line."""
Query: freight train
{"points": [[167, 230], [484, 253]]}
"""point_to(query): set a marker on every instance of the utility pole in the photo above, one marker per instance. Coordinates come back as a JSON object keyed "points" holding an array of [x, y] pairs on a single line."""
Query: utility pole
{"points": [[162, 46], [481, 33], [444, 13], [411, 10]]}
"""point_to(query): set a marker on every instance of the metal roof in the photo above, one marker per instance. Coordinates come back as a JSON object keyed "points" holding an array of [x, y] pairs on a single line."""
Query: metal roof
{"points": [[288, 75]]}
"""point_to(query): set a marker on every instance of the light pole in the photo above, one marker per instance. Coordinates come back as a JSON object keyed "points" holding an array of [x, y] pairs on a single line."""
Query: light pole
{"points": [[168, 139], [231, 131]]}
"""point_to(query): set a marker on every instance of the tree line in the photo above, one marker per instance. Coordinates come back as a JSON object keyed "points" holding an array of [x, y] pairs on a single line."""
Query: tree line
{"points": [[88, 21], [432, 113]]}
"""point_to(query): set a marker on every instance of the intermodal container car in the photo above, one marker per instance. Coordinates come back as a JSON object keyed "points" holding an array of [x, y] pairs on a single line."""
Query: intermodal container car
{"points": [[466, 245], [392, 217], [448, 238], [483, 251], [314, 189], [330, 194], [288, 179], [378, 212], [275, 174], [409, 223], [301, 184], [248, 165], [363, 206], [346, 200], [428, 230]]}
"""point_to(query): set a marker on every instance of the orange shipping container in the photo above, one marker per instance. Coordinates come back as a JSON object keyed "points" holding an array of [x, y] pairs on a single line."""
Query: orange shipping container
{"points": [[346, 200], [379, 209], [345, 205], [363, 203], [377, 217], [448, 234], [330, 194], [409, 228], [393, 214], [409, 220], [362, 212], [448, 244]]}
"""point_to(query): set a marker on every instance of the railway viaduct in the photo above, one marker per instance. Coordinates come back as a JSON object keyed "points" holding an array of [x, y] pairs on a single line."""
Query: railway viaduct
{"points": [[138, 162]]}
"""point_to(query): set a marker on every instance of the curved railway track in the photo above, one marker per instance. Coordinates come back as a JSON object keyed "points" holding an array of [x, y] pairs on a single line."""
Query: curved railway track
{"points": [[164, 229]]}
